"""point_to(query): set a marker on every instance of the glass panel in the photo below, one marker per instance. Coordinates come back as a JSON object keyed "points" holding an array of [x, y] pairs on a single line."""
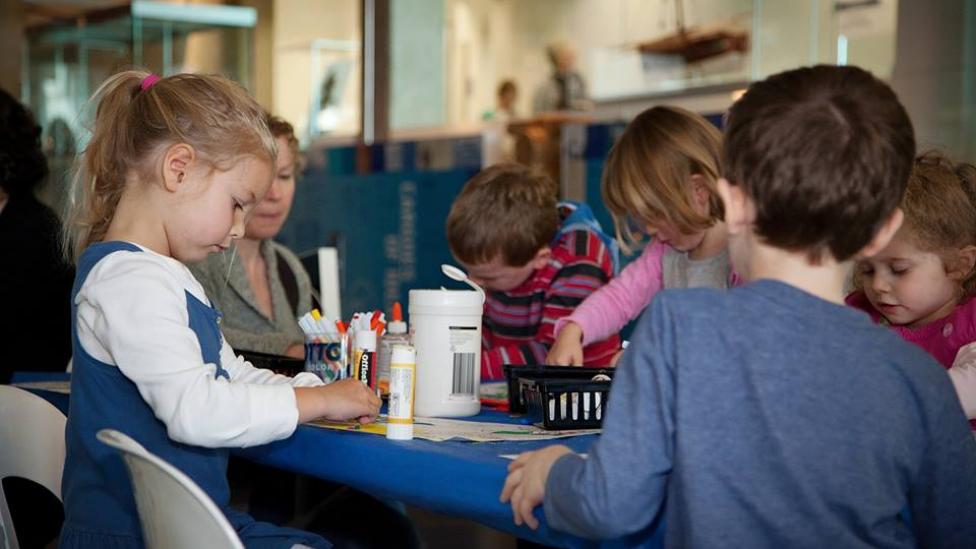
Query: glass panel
{"points": [[449, 57], [66, 65], [172, 47], [317, 67], [865, 33], [655, 47], [67, 61], [417, 63]]}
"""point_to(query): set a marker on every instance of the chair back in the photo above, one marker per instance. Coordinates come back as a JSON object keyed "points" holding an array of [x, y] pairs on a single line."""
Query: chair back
{"points": [[31, 447], [173, 510]]}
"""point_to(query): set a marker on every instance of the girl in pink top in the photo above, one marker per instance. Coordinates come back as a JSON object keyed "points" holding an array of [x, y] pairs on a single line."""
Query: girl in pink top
{"points": [[660, 181], [922, 284]]}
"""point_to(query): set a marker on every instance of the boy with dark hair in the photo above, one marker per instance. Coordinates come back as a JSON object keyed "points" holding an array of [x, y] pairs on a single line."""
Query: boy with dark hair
{"points": [[771, 415], [536, 261]]}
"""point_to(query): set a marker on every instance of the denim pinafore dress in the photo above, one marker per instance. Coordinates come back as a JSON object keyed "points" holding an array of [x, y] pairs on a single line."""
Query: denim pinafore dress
{"points": [[100, 509]]}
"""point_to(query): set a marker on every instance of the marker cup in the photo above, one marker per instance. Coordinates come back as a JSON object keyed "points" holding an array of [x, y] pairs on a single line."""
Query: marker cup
{"points": [[327, 357]]}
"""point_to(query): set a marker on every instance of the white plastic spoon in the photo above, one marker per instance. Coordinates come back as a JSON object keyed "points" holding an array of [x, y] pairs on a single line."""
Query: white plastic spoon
{"points": [[452, 272]]}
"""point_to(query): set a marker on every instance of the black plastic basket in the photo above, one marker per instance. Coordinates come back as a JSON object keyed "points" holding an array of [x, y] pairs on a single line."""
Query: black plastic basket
{"points": [[516, 400], [566, 403]]}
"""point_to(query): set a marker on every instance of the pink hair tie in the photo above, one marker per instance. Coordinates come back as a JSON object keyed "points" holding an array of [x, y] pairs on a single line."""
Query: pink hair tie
{"points": [[148, 81]]}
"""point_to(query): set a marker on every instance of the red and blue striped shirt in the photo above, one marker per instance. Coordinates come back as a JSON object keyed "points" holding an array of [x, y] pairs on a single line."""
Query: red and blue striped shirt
{"points": [[518, 324]]}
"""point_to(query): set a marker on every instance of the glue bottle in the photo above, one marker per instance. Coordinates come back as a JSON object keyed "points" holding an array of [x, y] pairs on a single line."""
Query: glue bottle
{"points": [[403, 378], [396, 334]]}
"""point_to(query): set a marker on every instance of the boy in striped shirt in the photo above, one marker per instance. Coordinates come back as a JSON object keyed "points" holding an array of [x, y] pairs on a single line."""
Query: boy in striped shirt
{"points": [[535, 259]]}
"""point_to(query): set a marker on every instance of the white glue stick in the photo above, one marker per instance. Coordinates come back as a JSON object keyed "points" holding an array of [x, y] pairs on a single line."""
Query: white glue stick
{"points": [[403, 376]]}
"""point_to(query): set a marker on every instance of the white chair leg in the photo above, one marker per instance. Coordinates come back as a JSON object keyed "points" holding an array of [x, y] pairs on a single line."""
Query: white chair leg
{"points": [[8, 538]]}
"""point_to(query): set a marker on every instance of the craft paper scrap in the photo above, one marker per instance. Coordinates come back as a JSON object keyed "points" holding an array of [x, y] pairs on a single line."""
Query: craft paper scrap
{"points": [[440, 429]]}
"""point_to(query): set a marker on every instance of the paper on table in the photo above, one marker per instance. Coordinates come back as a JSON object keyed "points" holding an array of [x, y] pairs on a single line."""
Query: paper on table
{"points": [[493, 389], [439, 429]]}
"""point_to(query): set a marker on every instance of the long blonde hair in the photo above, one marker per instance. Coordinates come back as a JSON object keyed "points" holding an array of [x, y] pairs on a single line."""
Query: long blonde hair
{"points": [[135, 118], [648, 169]]}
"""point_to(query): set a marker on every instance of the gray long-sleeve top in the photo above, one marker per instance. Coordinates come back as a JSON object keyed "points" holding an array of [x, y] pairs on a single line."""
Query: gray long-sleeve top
{"points": [[244, 326], [766, 417]]}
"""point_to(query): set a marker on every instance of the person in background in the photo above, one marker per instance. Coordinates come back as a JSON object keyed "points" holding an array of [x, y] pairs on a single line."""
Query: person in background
{"points": [[505, 97], [565, 90], [259, 285], [498, 143], [922, 284], [660, 176], [772, 415], [536, 259], [173, 168], [35, 280]]}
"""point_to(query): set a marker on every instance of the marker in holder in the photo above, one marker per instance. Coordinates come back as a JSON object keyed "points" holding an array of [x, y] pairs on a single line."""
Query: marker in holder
{"points": [[327, 357]]}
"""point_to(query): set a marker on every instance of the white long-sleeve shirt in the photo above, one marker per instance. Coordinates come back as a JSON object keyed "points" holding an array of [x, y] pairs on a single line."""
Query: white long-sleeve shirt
{"points": [[132, 314]]}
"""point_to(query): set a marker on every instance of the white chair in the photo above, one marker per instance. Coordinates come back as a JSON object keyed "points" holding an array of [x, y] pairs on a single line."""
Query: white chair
{"points": [[31, 447], [173, 510]]}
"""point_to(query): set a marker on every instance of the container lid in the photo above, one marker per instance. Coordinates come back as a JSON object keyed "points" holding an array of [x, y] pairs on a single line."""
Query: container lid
{"points": [[445, 298], [365, 339], [396, 327], [399, 431]]}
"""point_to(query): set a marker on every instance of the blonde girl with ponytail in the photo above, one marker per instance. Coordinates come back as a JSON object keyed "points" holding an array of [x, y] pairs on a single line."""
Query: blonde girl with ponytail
{"points": [[173, 168]]}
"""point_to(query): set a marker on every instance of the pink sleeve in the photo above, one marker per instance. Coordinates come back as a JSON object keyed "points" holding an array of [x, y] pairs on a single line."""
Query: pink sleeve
{"points": [[607, 310]]}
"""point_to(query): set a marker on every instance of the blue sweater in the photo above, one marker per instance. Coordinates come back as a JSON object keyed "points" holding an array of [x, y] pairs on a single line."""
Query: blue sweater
{"points": [[767, 417]]}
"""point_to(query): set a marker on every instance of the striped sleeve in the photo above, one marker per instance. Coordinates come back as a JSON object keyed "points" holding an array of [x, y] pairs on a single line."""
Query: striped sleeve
{"points": [[494, 358], [586, 267], [519, 324]]}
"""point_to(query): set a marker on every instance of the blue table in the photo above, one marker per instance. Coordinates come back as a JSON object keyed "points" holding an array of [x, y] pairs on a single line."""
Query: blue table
{"points": [[456, 478]]}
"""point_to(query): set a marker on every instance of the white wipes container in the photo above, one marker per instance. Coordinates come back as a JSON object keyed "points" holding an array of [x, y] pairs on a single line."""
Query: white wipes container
{"points": [[446, 331]]}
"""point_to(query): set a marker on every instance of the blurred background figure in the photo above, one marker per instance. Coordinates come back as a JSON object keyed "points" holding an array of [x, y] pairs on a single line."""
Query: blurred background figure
{"points": [[565, 89], [505, 97], [498, 143]]}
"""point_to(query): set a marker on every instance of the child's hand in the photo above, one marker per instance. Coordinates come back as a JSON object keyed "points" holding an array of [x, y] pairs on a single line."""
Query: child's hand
{"points": [[338, 401], [568, 348], [525, 486]]}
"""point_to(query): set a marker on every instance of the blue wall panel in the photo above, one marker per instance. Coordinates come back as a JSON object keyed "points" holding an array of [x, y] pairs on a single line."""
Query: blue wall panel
{"points": [[389, 228]]}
